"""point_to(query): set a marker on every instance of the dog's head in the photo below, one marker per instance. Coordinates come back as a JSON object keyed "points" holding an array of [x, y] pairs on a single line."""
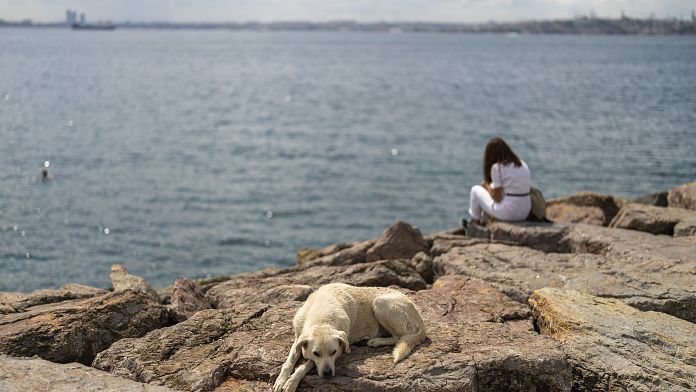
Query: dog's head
{"points": [[323, 345]]}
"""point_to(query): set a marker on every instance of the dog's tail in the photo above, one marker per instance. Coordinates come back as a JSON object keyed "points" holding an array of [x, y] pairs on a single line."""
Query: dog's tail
{"points": [[406, 344]]}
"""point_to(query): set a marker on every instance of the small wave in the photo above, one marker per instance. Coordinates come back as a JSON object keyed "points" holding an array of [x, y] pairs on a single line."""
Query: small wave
{"points": [[229, 241]]}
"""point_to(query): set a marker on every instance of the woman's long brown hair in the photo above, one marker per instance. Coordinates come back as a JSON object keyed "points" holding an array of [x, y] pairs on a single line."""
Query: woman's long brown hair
{"points": [[497, 151]]}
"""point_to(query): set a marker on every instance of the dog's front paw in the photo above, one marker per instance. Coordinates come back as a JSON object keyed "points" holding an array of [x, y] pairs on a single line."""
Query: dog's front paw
{"points": [[291, 385], [279, 384]]}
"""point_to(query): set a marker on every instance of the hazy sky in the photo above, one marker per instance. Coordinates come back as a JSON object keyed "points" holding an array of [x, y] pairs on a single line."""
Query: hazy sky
{"points": [[361, 10]]}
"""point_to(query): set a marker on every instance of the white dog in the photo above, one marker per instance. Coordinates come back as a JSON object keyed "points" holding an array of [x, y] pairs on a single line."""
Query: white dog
{"points": [[338, 314]]}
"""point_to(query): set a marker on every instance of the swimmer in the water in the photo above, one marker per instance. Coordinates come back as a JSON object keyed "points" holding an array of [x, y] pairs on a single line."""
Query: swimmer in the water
{"points": [[45, 175]]}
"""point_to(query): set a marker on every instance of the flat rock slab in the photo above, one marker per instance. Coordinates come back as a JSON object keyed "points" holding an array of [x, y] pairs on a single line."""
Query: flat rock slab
{"points": [[298, 282], [459, 299], [629, 245], [517, 271], [614, 347], [444, 241], [243, 347], [18, 302], [38, 375], [656, 220], [76, 330]]}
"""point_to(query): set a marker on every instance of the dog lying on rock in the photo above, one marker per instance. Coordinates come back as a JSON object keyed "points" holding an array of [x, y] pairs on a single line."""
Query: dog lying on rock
{"points": [[337, 315]]}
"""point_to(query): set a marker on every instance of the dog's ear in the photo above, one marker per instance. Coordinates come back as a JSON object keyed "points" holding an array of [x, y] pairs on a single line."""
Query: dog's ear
{"points": [[302, 341], [343, 340]]}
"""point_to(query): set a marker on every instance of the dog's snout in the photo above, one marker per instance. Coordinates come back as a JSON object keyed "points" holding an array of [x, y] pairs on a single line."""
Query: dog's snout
{"points": [[327, 373]]}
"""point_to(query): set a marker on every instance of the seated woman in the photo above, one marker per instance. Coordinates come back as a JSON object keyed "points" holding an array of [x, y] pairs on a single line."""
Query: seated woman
{"points": [[504, 192]]}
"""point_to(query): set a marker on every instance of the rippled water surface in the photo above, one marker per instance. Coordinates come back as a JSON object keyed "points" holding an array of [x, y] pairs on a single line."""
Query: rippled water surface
{"points": [[186, 153]]}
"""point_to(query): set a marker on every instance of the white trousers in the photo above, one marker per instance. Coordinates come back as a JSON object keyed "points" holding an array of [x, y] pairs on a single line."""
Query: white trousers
{"points": [[510, 209]]}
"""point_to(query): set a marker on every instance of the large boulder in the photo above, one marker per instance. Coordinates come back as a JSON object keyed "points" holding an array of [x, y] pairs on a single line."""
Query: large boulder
{"points": [[683, 196], [399, 241], [583, 207], [38, 375], [197, 354], [475, 342], [655, 220], [571, 213], [18, 302], [76, 330], [297, 283], [614, 347], [186, 300]]}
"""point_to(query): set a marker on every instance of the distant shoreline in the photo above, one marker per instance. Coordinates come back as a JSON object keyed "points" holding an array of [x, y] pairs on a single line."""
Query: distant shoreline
{"points": [[576, 26]]}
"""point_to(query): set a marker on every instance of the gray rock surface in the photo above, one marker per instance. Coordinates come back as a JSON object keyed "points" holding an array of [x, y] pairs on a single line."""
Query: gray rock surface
{"points": [[517, 271], [295, 284], [444, 241], [399, 241], [76, 330], [683, 196], [614, 347], [355, 254], [655, 220], [571, 213], [459, 299], [685, 228], [476, 342], [423, 263], [122, 280], [628, 245], [305, 255], [186, 300], [658, 199], [18, 302], [38, 375]]}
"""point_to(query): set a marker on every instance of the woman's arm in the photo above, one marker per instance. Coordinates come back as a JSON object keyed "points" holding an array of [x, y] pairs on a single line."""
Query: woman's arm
{"points": [[496, 193]]}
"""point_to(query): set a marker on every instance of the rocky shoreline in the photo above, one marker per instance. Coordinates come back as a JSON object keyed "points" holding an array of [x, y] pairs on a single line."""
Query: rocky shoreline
{"points": [[603, 299]]}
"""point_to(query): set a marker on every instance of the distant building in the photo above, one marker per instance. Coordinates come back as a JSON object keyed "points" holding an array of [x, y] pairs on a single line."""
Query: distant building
{"points": [[70, 17], [82, 18]]}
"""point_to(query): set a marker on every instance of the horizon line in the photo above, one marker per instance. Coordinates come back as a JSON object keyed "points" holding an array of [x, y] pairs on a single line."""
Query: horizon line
{"points": [[359, 22]]}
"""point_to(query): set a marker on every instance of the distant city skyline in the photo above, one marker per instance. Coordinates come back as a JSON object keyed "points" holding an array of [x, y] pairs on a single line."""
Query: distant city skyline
{"points": [[469, 11]]}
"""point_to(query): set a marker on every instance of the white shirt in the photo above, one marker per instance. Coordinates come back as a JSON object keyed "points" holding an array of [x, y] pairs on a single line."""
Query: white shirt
{"points": [[513, 179]]}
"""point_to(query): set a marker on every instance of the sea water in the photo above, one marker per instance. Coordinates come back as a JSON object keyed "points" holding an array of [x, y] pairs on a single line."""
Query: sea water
{"points": [[196, 153]]}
